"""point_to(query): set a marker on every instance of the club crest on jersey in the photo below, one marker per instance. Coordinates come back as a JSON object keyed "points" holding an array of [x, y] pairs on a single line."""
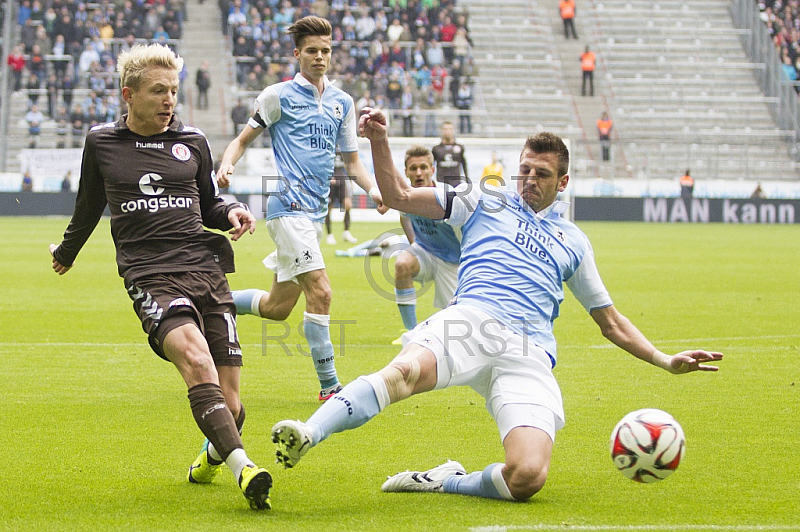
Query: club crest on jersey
{"points": [[560, 235], [181, 152], [338, 112]]}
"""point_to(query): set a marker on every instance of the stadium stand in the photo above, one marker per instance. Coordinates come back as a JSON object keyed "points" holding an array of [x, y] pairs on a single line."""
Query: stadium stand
{"points": [[379, 49], [672, 74], [69, 50], [684, 94]]}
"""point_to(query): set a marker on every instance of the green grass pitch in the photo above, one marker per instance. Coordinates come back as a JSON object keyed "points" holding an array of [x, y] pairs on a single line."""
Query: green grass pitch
{"points": [[96, 431]]}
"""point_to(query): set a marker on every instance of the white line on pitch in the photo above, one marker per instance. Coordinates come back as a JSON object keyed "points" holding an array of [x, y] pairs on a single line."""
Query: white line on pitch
{"points": [[634, 528]]}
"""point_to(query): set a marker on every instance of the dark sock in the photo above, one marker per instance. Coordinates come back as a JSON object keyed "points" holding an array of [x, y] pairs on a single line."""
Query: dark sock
{"points": [[214, 418]]}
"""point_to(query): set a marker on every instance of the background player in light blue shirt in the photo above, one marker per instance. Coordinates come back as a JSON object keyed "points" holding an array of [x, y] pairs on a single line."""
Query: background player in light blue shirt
{"points": [[516, 253], [435, 248], [307, 119]]}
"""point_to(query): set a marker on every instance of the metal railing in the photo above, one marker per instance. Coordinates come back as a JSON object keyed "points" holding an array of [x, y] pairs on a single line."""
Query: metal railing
{"points": [[759, 47]]}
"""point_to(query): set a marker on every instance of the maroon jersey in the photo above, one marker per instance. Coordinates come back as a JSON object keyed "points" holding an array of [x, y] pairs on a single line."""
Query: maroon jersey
{"points": [[161, 191]]}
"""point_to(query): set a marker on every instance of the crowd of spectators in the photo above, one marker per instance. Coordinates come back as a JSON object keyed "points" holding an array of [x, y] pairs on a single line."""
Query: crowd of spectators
{"points": [[782, 18], [65, 60], [395, 54]]}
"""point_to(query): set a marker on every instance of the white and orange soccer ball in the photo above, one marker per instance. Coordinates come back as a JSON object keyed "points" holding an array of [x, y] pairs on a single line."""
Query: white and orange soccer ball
{"points": [[647, 445]]}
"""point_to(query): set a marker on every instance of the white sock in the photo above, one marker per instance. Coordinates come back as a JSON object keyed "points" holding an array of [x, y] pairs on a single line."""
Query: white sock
{"points": [[236, 461]]}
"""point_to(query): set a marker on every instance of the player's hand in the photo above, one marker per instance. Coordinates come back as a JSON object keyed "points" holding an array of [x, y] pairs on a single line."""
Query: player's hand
{"points": [[372, 124], [242, 221], [59, 268], [687, 361], [224, 175], [376, 197]]}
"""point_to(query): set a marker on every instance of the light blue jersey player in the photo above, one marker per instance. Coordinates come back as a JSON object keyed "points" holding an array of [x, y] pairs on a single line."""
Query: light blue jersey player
{"points": [[308, 118], [434, 252], [516, 253]]}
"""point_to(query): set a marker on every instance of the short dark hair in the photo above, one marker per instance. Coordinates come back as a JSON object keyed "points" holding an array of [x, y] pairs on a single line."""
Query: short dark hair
{"points": [[546, 142], [310, 26], [418, 150]]}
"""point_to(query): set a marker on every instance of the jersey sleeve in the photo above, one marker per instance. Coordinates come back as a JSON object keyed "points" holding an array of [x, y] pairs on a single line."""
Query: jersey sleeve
{"points": [[586, 284], [459, 203], [89, 206], [212, 207], [266, 109], [347, 139]]}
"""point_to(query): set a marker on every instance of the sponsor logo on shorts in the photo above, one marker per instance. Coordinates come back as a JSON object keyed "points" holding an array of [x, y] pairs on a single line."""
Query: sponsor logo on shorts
{"points": [[181, 152], [234, 352], [181, 301]]}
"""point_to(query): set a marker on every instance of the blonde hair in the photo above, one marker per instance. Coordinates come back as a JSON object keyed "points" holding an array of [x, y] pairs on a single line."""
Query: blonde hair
{"points": [[132, 64]]}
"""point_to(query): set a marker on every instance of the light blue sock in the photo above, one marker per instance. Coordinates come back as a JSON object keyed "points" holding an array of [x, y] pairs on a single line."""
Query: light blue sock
{"points": [[353, 406], [317, 331], [488, 483], [246, 302], [407, 304]]}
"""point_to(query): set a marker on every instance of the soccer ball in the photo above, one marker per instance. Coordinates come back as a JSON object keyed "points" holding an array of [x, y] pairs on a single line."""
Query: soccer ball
{"points": [[647, 445]]}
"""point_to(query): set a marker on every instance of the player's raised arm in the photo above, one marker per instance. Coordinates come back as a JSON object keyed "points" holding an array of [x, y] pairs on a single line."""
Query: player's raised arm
{"points": [[234, 152], [396, 192]]}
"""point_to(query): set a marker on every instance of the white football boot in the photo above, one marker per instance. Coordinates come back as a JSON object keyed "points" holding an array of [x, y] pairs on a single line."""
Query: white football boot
{"points": [[430, 480], [292, 439]]}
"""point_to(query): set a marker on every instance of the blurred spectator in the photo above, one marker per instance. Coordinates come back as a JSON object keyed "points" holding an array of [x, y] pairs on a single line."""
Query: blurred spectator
{"points": [[239, 115], [395, 30], [431, 102], [687, 185], [758, 193], [34, 119], [16, 62], [451, 163], [203, 82], [461, 45], [365, 100], [588, 60], [27, 182], [434, 55], [493, 172], [407, 105], [463, 102], [567, 10], [33, 86], [66, 183], [604, 126]]}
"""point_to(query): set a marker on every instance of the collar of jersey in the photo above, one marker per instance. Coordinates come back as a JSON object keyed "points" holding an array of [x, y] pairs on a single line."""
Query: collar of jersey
{"points": [[303, 82], [554, 210]]}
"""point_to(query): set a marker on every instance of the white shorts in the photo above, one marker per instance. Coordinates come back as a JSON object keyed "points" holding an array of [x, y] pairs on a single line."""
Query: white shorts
{"points": [[296, 247], [473, 349], [444, 275]]}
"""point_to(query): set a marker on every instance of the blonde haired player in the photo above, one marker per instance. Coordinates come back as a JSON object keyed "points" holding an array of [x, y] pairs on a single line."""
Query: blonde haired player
{"points": [[156, 176]]}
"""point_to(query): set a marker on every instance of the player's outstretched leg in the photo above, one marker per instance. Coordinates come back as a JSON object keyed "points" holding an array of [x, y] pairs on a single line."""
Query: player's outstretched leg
{"points": [[353, 406], [430, 480]]}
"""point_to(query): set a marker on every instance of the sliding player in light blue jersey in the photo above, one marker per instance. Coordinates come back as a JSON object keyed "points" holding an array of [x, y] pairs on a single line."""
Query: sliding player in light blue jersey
{"points": [[516, 253], [307, 118], [434, 252]]}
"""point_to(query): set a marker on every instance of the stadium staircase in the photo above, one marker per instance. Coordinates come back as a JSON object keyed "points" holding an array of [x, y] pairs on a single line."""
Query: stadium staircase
{"points": [[203, 41], [519, 71]]}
